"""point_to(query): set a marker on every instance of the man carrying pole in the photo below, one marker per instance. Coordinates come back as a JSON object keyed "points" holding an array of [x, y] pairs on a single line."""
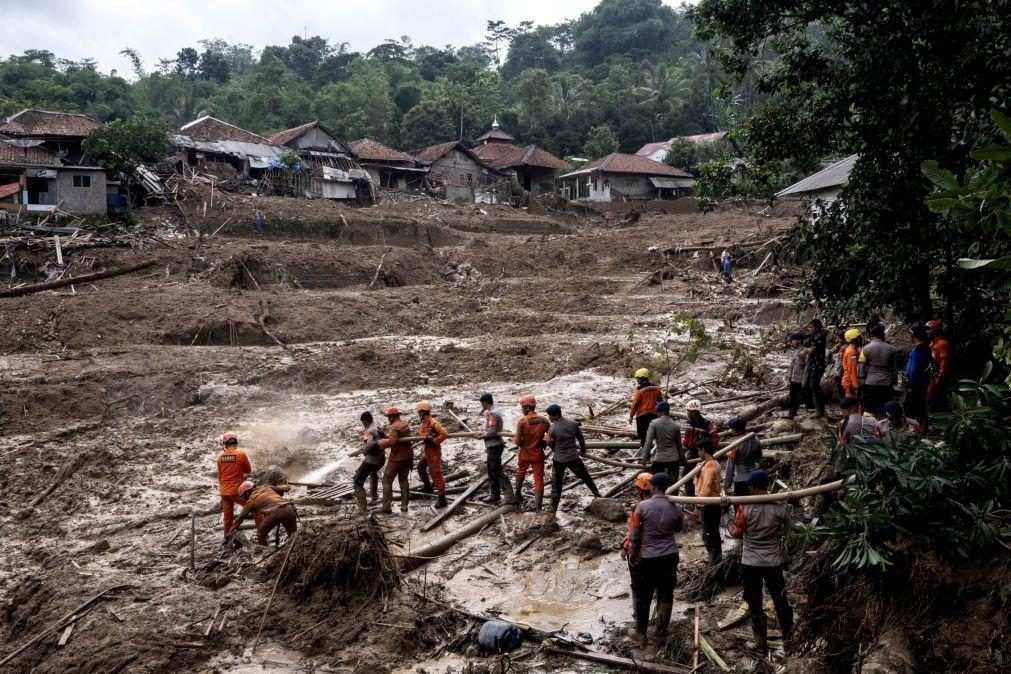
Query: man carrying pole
{"points": [[563, 437]]}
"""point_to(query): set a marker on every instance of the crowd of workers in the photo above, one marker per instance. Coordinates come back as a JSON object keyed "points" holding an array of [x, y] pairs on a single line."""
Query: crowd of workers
{"points": [[866, 374]]}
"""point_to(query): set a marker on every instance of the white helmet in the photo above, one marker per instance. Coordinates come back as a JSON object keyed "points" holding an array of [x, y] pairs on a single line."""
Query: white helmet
{"points": [[694, 406]]}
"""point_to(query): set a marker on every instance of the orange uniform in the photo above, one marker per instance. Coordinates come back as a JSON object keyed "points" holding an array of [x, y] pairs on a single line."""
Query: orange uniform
{"points": [[850, 377], [633, 522], [529, 437], [644, 400], [940, 357], [432, 460], [707, 483], [270, 509], [233, 466], [400, 450]]}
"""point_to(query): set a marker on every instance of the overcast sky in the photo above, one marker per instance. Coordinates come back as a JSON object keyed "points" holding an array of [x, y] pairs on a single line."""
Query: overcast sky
{"points": [[99, 29]]}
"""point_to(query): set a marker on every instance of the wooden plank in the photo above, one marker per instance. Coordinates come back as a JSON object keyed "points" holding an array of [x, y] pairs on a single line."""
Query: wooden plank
{"points": [[66, 635], [617, 661], [460, 500]]}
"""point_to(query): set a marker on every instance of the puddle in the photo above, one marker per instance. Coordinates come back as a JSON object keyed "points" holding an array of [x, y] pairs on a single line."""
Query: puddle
{"points": [[269, 658]]}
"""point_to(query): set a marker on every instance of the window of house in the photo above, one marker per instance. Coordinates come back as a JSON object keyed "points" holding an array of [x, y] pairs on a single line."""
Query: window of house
{"points": [[630, 182], [82, 181], [470, 178]]}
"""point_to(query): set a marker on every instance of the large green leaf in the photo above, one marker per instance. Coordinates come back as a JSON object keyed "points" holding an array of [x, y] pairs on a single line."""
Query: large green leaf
{"points": [[941, 205], [999, 263], [1003, 121], [943, 178], [992, 153]]}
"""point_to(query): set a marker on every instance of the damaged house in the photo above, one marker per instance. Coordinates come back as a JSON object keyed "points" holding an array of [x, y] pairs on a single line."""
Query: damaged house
{"points": [[390, 169], [626, 176], [329, 167], [44, 168], [456, 173], [224, 150], [531, 168]]}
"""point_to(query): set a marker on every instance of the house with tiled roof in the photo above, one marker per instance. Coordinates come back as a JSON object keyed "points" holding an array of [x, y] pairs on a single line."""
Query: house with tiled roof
{"points": [[533, 168], [455, 171], [219, 148], [43, 165], [331, 170], [626, 176], [389, 168]]}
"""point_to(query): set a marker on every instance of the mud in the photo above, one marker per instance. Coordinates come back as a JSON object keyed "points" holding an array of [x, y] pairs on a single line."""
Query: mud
{"points": [[115, 394]]}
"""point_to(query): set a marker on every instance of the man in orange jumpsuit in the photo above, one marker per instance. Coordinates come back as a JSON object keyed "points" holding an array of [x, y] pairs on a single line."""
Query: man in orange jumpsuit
{"points": [[850, 363], [940, 356], [400, 462], [644, 400], [435, 434], [273, 509], [530, 438], [233, 466]]}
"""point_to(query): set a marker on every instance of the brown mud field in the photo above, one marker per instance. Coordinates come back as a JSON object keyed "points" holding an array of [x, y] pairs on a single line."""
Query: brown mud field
{"points": [[114, 394]]}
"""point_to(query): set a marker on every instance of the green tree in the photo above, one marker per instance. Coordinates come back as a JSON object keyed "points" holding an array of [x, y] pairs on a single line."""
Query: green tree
{"points": [[531, 49], [600, 142], [426, 124], [123, 145], [633, 28], [877, 80], [535, 98]]}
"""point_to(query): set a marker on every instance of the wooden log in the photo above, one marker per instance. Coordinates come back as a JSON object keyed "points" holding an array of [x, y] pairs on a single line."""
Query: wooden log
{"points": [[673, 489], [460, 500], [86, 278], [609, 430], [423, 554], [617, 661], [612, 462], [762, 498], [616, 489]]}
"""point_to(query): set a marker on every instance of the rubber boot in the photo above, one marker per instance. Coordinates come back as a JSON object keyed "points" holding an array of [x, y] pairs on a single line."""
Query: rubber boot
{"points": [[363, 506], [538, 500], [387, 497], [760, 630], [441, 502], [507, 489], [374, 485], [518, 498], [663, 612], [405, 499]]}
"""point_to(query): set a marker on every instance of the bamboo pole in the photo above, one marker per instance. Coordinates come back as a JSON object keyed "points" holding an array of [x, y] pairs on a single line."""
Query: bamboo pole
{"points": [[673, 489], [421, 555], [762, 498], [60, 283]]}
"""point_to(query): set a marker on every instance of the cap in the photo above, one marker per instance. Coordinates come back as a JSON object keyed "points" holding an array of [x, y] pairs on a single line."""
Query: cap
{"points": [[662, 406], [660, 481], [229, 438], [528, 401], [554, 410], [847, 402], [918, 331], [759, 479], [737, 424], [798, 335], [644, 481], [486, 397], [893, 408], [878, 330]]}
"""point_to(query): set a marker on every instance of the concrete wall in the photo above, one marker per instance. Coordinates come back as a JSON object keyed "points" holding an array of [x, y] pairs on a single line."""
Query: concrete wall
{"points": [[80, 200], [455, 167]]}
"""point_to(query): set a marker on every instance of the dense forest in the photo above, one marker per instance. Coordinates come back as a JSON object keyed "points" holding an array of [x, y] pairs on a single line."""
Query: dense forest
{"points": [[624, 74]]}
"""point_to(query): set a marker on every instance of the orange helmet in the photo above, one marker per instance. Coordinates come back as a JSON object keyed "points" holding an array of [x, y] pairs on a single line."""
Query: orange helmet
{"points": [[644, 481], [229, 437], [424, 406], [528, 401], [393, 412]]}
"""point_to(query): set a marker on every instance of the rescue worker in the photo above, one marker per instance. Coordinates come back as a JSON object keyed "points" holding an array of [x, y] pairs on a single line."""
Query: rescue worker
{"points": [[940, 364], [849, 359], [644, 490], [798, 373], [666, 434], [372, 462], [400, 461], [653, 550], [531, 430], [698, 432], [816, 366], [760, 524], [742, 460], [435, 434], [896, 428], [494, 445], [918, 375], [879, 372], [707, 483], [233, 467], [273, 509], [854, 424], [644, 401], [563, 437]]}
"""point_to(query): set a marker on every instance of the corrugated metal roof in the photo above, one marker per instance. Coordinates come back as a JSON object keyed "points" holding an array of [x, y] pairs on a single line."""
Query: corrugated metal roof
{"points": [[12, 155], [46, 123], [629, 163], [649, 148], [671, 183], [232, 147], [209, 128], [367, 149], [699, 139], [834, 175]]}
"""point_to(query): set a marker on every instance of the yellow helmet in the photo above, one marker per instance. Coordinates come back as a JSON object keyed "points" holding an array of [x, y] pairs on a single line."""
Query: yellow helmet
{"points": [[851, 334], [641, 373]]}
